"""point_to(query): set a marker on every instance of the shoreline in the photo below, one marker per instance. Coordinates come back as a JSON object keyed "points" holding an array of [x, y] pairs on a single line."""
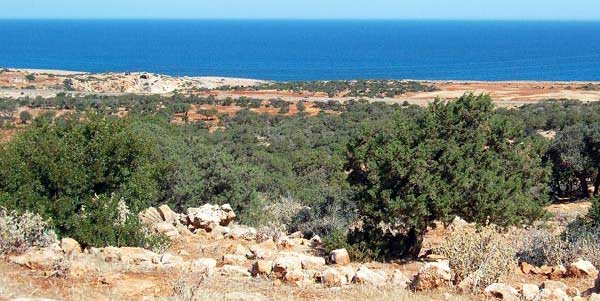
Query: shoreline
{"points": [[217, 78]]}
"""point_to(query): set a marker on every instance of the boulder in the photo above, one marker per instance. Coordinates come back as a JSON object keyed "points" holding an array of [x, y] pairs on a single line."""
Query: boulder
{"points": [[293, 276], [241, 232], [204, 266], [296, 235], [285, 243], [347, 272], [457, 224], [150, 216], [168, 215], [433, 275], [553, 295], [38, 258], [264, 250], [582, 268], [238, 250], [233, 259], [234, 271], [245, 296], [553, 291], [529, 291], [70, 246], [312, 262], [551, 284], [399, 280], [558, 272], [261, 268], [110, 279], [366, 276], [31, 299], [127, 255], [331, 277], [526, 268], [168, 260], [573, 292], [339, 256], [284, 264], [316, 241], [168, 229], [544, 270], [207, 217], [502, 291]]}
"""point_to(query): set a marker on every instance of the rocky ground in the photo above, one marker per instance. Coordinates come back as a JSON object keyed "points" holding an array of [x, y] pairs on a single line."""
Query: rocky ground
{"points": [[213, 258]]}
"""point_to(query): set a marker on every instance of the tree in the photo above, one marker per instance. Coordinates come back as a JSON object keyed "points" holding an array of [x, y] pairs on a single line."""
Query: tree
{"points": [[30, 77], [575, 154], [25, 116], [458, 159]]}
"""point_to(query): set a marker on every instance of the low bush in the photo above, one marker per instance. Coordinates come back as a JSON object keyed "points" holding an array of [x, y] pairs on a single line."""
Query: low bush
{"points": [[479, 256], [19, 232], [109, 222], [542, 247]]}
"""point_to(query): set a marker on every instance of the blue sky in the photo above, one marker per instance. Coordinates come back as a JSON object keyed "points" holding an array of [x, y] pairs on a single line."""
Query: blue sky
{"points": [[305, 9]]}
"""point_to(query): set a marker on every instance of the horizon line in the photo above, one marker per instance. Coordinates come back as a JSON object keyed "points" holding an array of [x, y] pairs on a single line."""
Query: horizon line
{"points": [[293, 19]]}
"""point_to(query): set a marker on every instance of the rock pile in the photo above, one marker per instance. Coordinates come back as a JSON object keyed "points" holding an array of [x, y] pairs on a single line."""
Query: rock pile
{"points": [[207, 217]]}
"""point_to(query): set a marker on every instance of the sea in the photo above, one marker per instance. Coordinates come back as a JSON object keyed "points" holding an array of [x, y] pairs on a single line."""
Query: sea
{"points": [[289, 50]]}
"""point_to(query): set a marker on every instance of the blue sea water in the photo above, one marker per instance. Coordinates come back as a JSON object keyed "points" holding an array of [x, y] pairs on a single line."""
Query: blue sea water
{"points": [[310, 50]]}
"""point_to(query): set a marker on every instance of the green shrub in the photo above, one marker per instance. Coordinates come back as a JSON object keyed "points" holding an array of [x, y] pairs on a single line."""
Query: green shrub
{"points": [[106, 221], [457, 159], [66, 172]]}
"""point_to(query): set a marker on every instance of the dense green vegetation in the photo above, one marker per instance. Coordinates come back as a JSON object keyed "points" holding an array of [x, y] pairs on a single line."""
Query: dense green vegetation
{"points": [[354, 88], [456, 159], [395, 168]]}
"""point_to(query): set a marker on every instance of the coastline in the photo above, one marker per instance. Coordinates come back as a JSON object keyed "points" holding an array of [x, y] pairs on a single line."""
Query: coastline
{"points": [[16, 83]]}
